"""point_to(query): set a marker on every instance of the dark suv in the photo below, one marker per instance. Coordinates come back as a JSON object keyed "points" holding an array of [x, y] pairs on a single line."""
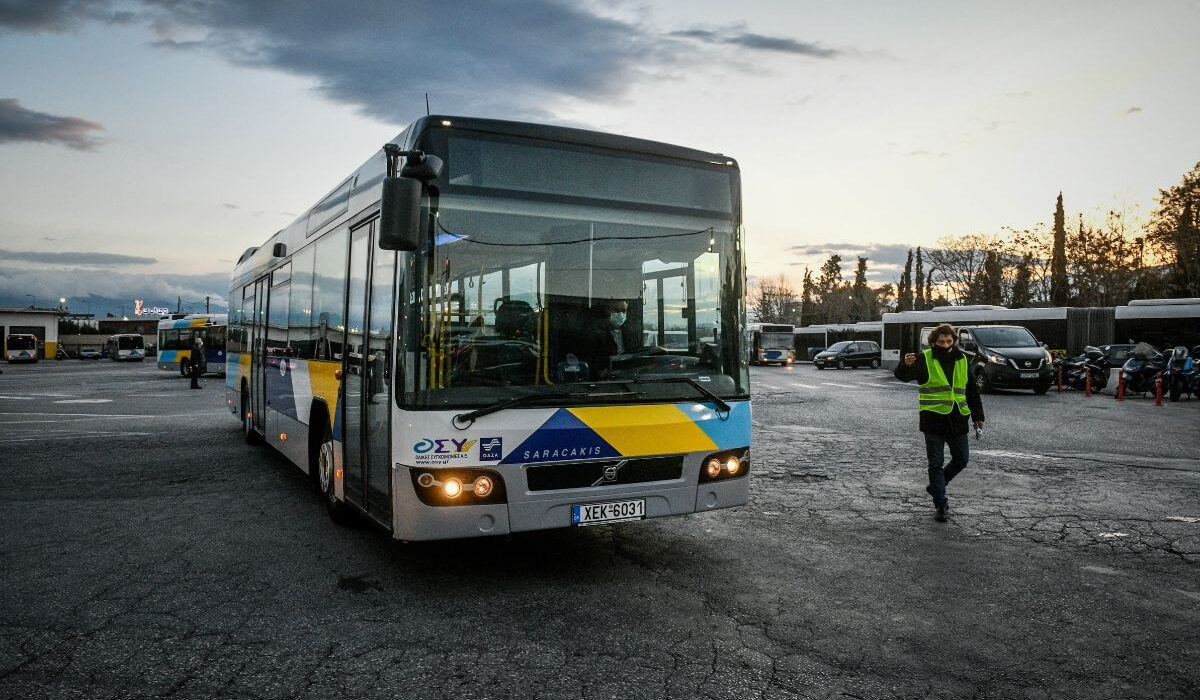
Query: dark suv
{"points": [[848, 353], [1006, 357]]}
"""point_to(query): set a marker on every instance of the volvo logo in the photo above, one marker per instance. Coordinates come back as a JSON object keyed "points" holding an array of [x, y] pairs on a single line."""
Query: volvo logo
{"points": [[609, 475]]}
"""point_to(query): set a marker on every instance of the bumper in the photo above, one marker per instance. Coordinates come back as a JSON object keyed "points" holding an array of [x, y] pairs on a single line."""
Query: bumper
{"points": [[525, 511], [1006, 377]]}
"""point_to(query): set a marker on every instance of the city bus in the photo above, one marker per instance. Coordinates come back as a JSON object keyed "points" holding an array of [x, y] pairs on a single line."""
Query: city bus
{"points": [[21, 347], [422, 342], [903, 331], [126, 347], [176, 335], [1065, 330], [810, 340], [1163, 323], [770, 342]]}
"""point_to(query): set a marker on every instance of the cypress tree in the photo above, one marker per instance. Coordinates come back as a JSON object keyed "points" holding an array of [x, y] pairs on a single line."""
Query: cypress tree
{"points": [[1059, 285]]}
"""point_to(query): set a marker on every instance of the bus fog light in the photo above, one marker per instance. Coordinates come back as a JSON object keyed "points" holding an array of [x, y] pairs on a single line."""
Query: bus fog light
{"points": [[713, 468], [452, 487], [732, 465], [425, 480], [483, 486]]}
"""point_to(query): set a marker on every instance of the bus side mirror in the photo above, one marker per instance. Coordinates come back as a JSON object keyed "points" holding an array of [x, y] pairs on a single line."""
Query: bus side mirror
{"points": [[400, 223], [400, 214]]}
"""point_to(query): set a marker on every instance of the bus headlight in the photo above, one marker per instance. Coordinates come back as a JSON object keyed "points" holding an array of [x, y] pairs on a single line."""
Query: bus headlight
{"points": [[458, 487], [712, 467], [725, 465]]}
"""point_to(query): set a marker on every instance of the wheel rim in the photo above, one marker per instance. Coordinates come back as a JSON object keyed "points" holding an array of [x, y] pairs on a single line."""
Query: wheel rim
{"points": [[325, 469], [979, 382], [841, 364]]}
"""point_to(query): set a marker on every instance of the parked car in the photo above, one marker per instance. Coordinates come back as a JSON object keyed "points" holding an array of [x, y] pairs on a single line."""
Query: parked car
{"points": [[1006, 357], [1115, 355], [89, 353], [849, 353]]}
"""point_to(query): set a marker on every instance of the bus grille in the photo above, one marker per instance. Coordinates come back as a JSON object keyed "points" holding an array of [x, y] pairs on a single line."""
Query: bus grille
{"points": [[577, 475]]}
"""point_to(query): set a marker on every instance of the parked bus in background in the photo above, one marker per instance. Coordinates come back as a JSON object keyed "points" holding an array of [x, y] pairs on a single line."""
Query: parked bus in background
{"points": [[810, 340], [126, 347], [176, 335], [902, 331], [1164, 323], [519, 363], [21, 347], [770, 342]]}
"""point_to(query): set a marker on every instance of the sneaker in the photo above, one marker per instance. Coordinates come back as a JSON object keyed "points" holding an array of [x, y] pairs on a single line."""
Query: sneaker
{"points": [[940, 515]]}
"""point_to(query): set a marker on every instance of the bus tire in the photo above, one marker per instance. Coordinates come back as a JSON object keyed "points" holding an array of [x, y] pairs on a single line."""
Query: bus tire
{"points": [[249, 434], [185, 367], [339, 512]]}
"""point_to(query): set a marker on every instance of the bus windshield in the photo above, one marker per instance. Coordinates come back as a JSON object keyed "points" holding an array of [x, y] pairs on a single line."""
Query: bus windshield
{"points": [[592, 268], [130, 342], [776, 340], [22, 342]]}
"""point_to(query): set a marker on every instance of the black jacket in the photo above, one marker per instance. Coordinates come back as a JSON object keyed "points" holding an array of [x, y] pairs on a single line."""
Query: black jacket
{"points": [[953, 423]]}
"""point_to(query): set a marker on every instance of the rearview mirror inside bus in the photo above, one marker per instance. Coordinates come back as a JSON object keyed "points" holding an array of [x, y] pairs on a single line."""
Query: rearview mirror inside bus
{"points": [[400, 214]]}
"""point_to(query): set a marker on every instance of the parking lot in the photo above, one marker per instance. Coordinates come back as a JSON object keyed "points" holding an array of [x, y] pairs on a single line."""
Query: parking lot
{"points": [[148, 552]]}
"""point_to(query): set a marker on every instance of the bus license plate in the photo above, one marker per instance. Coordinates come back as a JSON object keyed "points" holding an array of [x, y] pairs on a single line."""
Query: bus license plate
{"points": [[615, 512], [1029, 375]]}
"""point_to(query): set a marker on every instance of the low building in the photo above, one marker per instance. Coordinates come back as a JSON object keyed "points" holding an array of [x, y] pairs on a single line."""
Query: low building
{"points": [[42, 323]]}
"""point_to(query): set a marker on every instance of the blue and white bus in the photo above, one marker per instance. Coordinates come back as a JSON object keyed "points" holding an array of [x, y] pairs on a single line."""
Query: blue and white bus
{"points": [[435, 343], [175, 338], [126, 347]]}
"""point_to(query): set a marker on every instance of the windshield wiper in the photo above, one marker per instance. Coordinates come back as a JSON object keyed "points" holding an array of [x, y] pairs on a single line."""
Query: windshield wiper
{"points": [[462, 421], [720, 403]]}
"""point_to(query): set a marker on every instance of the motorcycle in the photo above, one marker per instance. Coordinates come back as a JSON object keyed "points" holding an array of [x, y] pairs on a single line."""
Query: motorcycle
{"points": [[1180, 375], [1075, 370], [1144, 365]]}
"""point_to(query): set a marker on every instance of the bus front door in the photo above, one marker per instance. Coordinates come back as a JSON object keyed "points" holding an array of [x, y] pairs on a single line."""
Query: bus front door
{"points": [[355, 367], [258, 357]]}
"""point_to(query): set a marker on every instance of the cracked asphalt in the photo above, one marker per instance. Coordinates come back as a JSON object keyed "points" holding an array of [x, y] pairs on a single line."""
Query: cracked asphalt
{"points": [[145, 551]]}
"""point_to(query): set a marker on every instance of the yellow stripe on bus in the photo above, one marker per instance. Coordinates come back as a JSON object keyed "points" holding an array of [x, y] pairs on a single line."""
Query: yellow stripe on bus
{"points": [[645, 430], [325, 384]]}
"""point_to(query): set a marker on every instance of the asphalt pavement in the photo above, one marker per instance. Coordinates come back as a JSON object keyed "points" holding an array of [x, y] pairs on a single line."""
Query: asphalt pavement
{"points": [[146, 551]]}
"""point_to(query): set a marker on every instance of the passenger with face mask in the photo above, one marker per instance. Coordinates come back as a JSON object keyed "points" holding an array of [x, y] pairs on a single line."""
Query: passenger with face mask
{"points": [[947, 400]]}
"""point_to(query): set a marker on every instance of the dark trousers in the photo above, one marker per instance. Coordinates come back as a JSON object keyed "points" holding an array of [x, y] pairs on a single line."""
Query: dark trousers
{"points": [[941, 476], [195, 376]]}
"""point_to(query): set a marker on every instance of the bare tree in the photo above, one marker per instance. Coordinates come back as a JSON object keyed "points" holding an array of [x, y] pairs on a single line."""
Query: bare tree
{"points": [[960, 259], [774, 300]]}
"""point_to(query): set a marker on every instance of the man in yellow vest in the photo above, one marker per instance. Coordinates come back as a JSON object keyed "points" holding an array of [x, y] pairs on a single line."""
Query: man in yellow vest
{"points": [[947, 400]]}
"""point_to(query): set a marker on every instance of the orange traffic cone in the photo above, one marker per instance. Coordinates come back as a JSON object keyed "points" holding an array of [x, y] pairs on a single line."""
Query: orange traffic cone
{"points": [[1121, 386]]}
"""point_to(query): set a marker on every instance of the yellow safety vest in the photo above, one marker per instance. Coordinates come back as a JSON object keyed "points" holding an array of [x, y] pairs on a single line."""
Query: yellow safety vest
{"points": [[937, 394]]}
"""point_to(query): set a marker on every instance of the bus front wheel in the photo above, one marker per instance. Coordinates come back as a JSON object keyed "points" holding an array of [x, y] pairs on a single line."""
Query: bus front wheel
{"points": [[185, 367], [339, 512]]}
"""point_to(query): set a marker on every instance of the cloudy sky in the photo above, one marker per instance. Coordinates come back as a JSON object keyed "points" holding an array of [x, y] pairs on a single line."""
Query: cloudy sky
{"points": [[144, 144]]}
